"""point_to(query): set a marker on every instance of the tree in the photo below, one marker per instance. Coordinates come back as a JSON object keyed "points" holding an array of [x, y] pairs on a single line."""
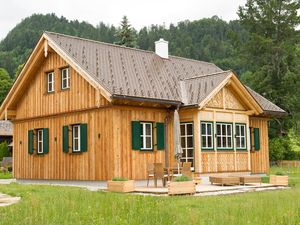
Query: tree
{"points": [[5, 84], [270, 50], [126, 34]]}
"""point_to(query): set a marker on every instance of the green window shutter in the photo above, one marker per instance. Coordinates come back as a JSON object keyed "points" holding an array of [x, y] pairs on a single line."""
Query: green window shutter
{"points": [[65, 139], [160, 136], [45, 140], [136, 135], [83, 137], [30, 142], [256, 139]]}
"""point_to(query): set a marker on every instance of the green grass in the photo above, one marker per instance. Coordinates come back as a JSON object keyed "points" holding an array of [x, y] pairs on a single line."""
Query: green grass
{"points": [[5, 175], [68, 205]]}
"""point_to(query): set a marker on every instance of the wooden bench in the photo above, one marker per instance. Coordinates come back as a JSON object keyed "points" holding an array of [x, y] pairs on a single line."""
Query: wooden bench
{"points": [[224, 180], [250, 179]]}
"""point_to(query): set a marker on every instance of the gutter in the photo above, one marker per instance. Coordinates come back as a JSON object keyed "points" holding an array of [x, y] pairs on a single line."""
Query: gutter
{"points": [[150, 100]]}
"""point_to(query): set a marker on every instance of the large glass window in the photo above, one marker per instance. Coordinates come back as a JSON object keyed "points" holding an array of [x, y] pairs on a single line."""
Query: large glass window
{"points": [[146, 136], [76, 138], [65, 78], [224, 135], [207, 135], [39, 141], [187, 142], [240, 136]]}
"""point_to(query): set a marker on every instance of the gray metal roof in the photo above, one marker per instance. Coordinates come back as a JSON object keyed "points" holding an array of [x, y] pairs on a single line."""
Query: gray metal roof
{"points": [[143, 74], [265, 104], [6, 128]]}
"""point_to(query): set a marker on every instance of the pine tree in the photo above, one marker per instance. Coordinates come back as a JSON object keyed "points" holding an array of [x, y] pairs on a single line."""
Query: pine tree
{"points": [[126, 34]]}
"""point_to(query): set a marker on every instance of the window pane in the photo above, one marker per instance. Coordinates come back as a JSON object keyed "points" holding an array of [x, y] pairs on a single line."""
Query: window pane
{"points": [[189, 129], [237, 130], [229, 142], [242, 130], [76, 147], [203, 130], [184, 153], [218, 129], [243, 143], [189, 142], [148, 142], [218, 142], [209, 142], [204, 144], [76, 132], [238, 143], [183, 142], [224, 141], [190, 152], [148, 129], [182, 129], [209, 129], [228, 130]]}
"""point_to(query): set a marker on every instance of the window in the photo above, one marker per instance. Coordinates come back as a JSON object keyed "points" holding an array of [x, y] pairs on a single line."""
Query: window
{"points": [[39, 140], [50, 82], [224, 136], [207, 135], [187, 142], [146, 136], [65, 78], [240, 136], [76, 138]]}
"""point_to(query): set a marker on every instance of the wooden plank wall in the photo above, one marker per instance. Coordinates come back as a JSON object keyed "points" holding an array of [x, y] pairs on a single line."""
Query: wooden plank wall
{"points": [[37, 102], [109, 156], [260, 159]]}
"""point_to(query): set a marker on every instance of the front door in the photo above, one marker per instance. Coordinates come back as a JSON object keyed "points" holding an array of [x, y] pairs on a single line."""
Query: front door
{"points": [[187, 142]]}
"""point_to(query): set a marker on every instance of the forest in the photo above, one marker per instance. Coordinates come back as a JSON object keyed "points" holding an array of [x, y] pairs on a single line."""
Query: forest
{"points": [[262, 47]]}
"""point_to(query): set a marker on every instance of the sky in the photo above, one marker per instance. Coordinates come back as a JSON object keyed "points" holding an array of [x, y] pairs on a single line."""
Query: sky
{"points": [[139, 12]]}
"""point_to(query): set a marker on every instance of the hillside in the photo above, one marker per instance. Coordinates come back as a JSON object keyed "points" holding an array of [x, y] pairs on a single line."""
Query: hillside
{"points": [[208, 39]]}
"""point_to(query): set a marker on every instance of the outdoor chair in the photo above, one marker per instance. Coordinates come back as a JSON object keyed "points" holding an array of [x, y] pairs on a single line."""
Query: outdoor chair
{"points": [[159, 173], [186, 169], [150, 172]]}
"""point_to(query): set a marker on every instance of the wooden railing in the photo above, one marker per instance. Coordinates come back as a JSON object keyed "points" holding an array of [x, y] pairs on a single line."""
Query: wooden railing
{"points": [[289, 163]]}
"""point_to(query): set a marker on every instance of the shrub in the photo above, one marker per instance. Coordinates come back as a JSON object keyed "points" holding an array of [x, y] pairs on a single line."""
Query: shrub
{"points": [[119, 179], [4, 151], [280, 173], [278, 148], [182, 178]]}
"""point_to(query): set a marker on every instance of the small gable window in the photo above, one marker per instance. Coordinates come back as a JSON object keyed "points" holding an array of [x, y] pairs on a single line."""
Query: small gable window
{"points": [[240, 136], [207, 135], [224, 136], [65, 78], [50, 82], [146, 136]]}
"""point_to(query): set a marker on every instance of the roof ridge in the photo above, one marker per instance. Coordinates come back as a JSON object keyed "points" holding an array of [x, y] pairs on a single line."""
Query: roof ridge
{"points": [[206, 75], [99, 42], [122, 46]]}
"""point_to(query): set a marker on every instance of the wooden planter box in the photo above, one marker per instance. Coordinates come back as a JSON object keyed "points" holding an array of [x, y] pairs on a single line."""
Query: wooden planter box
{"points": [[279, 180], [121, 186], [177, 188]]}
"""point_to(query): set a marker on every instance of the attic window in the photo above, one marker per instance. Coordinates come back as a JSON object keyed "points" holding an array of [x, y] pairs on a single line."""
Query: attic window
{"points": [[50, 82], [65, 78]]}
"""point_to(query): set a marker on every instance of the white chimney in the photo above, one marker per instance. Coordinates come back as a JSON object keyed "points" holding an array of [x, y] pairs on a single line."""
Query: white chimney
{"points": [[162, 48]]}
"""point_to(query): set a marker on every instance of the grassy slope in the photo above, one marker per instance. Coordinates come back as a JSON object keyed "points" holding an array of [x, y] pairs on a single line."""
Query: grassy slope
{"points": [[66, 205]]}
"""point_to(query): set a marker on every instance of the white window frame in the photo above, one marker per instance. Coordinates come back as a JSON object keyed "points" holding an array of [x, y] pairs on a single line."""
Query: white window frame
{"points": [[186, 148], [240, 137], [206, 135], [144, 135], [75, 138], [65, 76], [40, 141], [50, 82], [224, 135]]}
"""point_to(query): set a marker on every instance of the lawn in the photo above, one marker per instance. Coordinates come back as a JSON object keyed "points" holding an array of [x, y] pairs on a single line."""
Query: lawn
{"points": [[68, 205], [5, 175]]}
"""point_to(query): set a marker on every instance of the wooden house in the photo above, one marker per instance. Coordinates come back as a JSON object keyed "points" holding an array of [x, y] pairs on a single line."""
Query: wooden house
{"points": [[86, 110]]}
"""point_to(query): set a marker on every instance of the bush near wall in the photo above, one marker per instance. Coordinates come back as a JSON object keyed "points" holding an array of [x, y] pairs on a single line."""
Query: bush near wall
{"points": [[4, 151]]}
